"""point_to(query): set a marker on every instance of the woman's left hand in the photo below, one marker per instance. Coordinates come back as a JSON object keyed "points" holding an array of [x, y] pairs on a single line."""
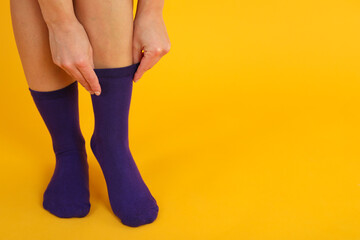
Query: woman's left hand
{"points": [[150, 35]]}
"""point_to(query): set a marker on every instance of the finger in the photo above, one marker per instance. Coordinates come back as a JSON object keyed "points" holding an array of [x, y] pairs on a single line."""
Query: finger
{"points": [[73, 77], [147, 62], [90, 77], [79, 77]]}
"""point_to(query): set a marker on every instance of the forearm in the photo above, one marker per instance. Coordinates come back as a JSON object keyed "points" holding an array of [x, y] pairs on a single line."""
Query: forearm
{"points": [[57, 12], [149, 7]]}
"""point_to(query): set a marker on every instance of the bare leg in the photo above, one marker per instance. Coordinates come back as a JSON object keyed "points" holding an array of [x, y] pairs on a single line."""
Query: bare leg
{"points": [[109, 31], [32, 40], [109, 25]]}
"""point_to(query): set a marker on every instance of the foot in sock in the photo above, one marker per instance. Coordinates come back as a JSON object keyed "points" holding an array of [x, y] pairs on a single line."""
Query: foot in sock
{"points": [[129, 196], [67, 194]]}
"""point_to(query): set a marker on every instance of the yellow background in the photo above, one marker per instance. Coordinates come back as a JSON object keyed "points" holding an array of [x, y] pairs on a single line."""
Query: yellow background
{"points": [[247, 129]]}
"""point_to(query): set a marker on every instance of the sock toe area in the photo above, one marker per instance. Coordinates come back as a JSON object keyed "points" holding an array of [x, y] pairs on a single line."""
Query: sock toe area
{"points": [[141, 219], [67, 210]]}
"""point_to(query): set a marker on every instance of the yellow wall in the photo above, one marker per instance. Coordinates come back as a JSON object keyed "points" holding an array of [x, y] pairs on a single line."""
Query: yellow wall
{"points": [[247, 129]]}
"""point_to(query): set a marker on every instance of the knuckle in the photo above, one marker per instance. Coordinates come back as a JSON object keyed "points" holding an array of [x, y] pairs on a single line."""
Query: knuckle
{"points": [[80, 63], [56, 60], [167, 48], [66, 65], [158, 51], [155, 51]]}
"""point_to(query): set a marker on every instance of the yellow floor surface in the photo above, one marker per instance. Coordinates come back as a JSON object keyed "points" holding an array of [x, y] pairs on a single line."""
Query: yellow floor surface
{"points": [[247, 129]]}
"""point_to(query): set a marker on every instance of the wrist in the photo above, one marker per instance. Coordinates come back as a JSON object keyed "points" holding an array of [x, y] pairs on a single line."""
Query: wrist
{"points": [[149, 8], [62, 25], [150, 15]]}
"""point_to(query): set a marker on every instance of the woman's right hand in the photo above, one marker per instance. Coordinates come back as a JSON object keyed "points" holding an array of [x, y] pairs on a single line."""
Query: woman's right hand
{"points": [[71, 50]]}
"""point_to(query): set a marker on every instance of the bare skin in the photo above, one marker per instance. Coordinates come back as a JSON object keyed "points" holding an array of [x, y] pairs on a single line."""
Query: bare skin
{"points": [[32, 40], [110, 32], [99, 34], [150, 36]]}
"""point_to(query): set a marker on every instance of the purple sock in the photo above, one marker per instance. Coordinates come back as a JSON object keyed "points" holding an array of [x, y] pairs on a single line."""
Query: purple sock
{"points": [[67, 194], [129, 196]]}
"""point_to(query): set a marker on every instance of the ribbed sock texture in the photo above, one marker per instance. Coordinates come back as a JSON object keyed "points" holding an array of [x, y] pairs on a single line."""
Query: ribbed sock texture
{"points": [[129, 196], [67, 194]]}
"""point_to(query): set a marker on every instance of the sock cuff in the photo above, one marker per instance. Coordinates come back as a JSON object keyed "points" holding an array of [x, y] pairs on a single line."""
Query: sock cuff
{"points": [[117, 72], [62, 92]]}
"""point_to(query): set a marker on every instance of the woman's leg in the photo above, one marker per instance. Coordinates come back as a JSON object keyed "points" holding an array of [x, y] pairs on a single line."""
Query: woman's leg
{"points": [[32, 40], [109, 26], [56, 97]]}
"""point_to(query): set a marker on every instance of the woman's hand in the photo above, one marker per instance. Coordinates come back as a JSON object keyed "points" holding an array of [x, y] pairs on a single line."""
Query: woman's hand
{"points": [[71, 50], [150, 36]]}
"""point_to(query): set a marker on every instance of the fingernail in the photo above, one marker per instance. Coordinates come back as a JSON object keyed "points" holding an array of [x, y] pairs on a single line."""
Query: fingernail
{"points": [[97, 93]]}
